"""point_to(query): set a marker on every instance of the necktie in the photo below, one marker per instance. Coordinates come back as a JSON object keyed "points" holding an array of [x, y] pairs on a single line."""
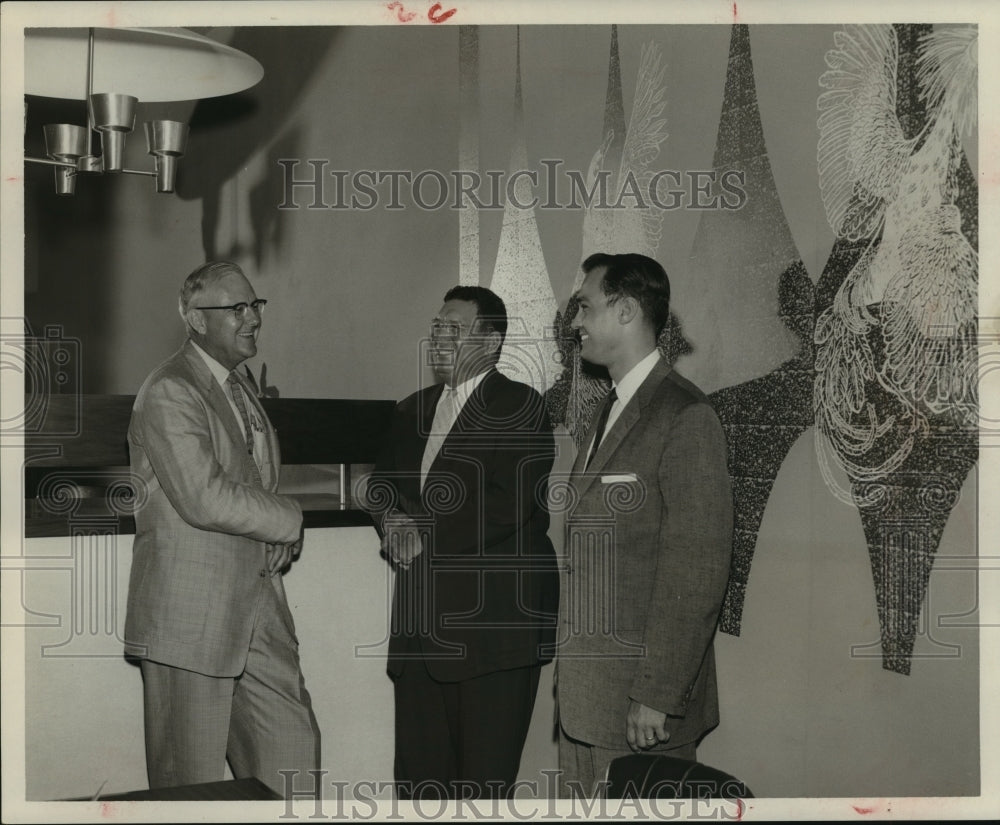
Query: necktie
{"points": [[241, 404], [444, 418], [602, 422]]}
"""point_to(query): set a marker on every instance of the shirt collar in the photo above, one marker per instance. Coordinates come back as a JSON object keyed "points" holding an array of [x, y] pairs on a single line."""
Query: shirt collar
{"points": [[633, 379], [464, 390], [220, 372]]}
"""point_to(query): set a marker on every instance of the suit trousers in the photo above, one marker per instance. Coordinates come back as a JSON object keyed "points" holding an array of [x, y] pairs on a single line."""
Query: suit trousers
{"points": [[461, 740], [261, 720], [583, 766]]}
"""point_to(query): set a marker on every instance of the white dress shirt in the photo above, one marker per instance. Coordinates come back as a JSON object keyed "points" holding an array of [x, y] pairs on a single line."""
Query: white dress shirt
{"points": [[442, 424], [628, 387]]}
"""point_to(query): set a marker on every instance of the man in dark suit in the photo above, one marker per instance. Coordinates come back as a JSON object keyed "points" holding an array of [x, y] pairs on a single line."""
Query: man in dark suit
{"points": [[459, 497], [207, 613], [648, 540]]}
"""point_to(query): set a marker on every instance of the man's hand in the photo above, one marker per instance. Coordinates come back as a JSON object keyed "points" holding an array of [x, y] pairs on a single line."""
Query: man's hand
{"points": [[644, 727], [279, 556], [401, 539]]}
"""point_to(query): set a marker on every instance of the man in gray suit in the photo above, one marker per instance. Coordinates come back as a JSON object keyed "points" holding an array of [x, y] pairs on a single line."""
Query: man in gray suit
{"points": [[648, 540], [207, 614]]}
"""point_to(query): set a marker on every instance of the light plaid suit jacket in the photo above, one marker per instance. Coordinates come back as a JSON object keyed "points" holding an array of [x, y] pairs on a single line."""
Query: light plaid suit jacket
{"points": [[202, 523], [648, 544]]}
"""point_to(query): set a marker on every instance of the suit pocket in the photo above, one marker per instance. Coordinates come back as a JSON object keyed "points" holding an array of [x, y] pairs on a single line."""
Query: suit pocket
{"points": [[185, 591]]}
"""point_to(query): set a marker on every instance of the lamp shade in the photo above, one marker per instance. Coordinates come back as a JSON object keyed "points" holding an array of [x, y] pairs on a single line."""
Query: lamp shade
{"points": [[165, 141], [64, 141], [153, 65]]}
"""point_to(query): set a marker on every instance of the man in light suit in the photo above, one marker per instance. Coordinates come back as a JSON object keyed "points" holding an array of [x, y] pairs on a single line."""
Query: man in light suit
{"points": [[459, 497], [207, 614], [648, 540]]}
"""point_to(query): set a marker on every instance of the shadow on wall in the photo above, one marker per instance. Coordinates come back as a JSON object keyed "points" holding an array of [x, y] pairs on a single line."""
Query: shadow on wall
{"points": [[227, 132]]}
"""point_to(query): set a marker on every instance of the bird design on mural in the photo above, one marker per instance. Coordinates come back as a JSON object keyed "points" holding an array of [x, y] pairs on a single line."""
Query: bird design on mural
{"points": [[895, 394], [623, 220], [916, 280]]}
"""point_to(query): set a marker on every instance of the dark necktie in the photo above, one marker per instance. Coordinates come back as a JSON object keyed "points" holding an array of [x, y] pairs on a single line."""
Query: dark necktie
{"points": [[602, 422], [241, 404]]}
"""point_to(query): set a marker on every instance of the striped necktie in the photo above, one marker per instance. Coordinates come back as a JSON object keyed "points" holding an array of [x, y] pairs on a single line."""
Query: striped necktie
{"points": [[236, 390]]}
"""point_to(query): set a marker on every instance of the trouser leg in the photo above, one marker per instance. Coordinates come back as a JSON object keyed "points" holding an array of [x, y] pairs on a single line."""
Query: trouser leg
{"points": [[273, 727], [187, 718]]}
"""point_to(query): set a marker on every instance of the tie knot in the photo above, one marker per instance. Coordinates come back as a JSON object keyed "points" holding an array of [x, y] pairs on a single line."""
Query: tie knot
{"points": [[232, 379], [612, 396]]}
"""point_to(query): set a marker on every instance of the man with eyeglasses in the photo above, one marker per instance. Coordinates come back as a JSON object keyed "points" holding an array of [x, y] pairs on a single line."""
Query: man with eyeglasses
{"points": [[459, 498], [207, 616]]}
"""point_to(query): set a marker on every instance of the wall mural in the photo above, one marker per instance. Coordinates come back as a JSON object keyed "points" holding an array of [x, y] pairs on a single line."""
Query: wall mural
{"points": [[626, 154], [879, 358], [895, 396], [520, 276]]}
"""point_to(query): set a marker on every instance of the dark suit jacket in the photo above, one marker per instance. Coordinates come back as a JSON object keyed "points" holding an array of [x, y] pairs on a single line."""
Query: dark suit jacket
{"points": [[483, 595], [648, 543], [202, 524]]}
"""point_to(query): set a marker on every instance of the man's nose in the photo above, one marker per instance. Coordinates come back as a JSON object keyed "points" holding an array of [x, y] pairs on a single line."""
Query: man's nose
{"points": [[575, 323]]}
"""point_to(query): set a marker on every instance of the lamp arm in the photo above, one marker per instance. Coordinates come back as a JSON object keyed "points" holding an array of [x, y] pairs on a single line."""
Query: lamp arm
{"points": [[47, 162]]}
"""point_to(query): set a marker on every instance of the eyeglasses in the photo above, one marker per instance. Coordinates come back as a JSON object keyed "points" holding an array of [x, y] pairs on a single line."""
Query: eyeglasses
{"points": [[240, 309], [448, 330]]}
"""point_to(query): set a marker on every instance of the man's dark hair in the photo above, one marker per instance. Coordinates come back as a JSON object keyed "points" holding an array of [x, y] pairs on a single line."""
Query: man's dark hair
{"points": [[490, 308], [635, 276]]}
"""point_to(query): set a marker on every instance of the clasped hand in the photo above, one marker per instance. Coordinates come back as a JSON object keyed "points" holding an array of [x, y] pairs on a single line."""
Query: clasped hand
{"points": [[279, 556], [401, 538]]}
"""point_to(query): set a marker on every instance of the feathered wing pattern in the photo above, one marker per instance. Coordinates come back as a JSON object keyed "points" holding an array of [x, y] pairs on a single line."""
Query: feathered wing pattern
{"points": [[621, 224], [948, 72], [632, 224], [895, 392], [861, 144], [637, 229], [920, 270], [930, 318], [844, 366]]}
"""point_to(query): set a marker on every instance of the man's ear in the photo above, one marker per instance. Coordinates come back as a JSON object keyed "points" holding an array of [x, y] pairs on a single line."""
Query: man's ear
{"points": [[628, 309], [493, 342], [195, 320]]}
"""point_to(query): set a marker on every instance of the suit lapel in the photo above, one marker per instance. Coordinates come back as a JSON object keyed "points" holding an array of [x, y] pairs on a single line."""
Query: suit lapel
{"points": [[613, 438], [270, 436], [470, 419], [219, 403]]}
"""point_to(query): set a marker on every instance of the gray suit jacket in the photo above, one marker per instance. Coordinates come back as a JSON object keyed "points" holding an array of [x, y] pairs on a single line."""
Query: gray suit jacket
{"points": [[648, 543], [202, 523]]}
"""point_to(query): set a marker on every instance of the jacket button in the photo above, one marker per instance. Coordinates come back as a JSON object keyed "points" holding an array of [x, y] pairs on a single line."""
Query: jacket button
{"points": [[567, 569], [263, 574]]}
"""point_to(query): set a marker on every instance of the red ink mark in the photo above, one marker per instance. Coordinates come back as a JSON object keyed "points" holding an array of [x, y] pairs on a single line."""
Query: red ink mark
{"points": [[435, 15], [739, 810], [402, 14], [863, 811], [107, 810], [735, 13]]}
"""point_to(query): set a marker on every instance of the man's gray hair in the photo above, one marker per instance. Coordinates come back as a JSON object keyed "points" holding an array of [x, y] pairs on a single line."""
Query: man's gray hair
{"points": [[202, 278]]}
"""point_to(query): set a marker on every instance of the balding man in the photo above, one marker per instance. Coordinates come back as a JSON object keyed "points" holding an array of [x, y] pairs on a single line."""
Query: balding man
{"points": [[207, 614]]}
